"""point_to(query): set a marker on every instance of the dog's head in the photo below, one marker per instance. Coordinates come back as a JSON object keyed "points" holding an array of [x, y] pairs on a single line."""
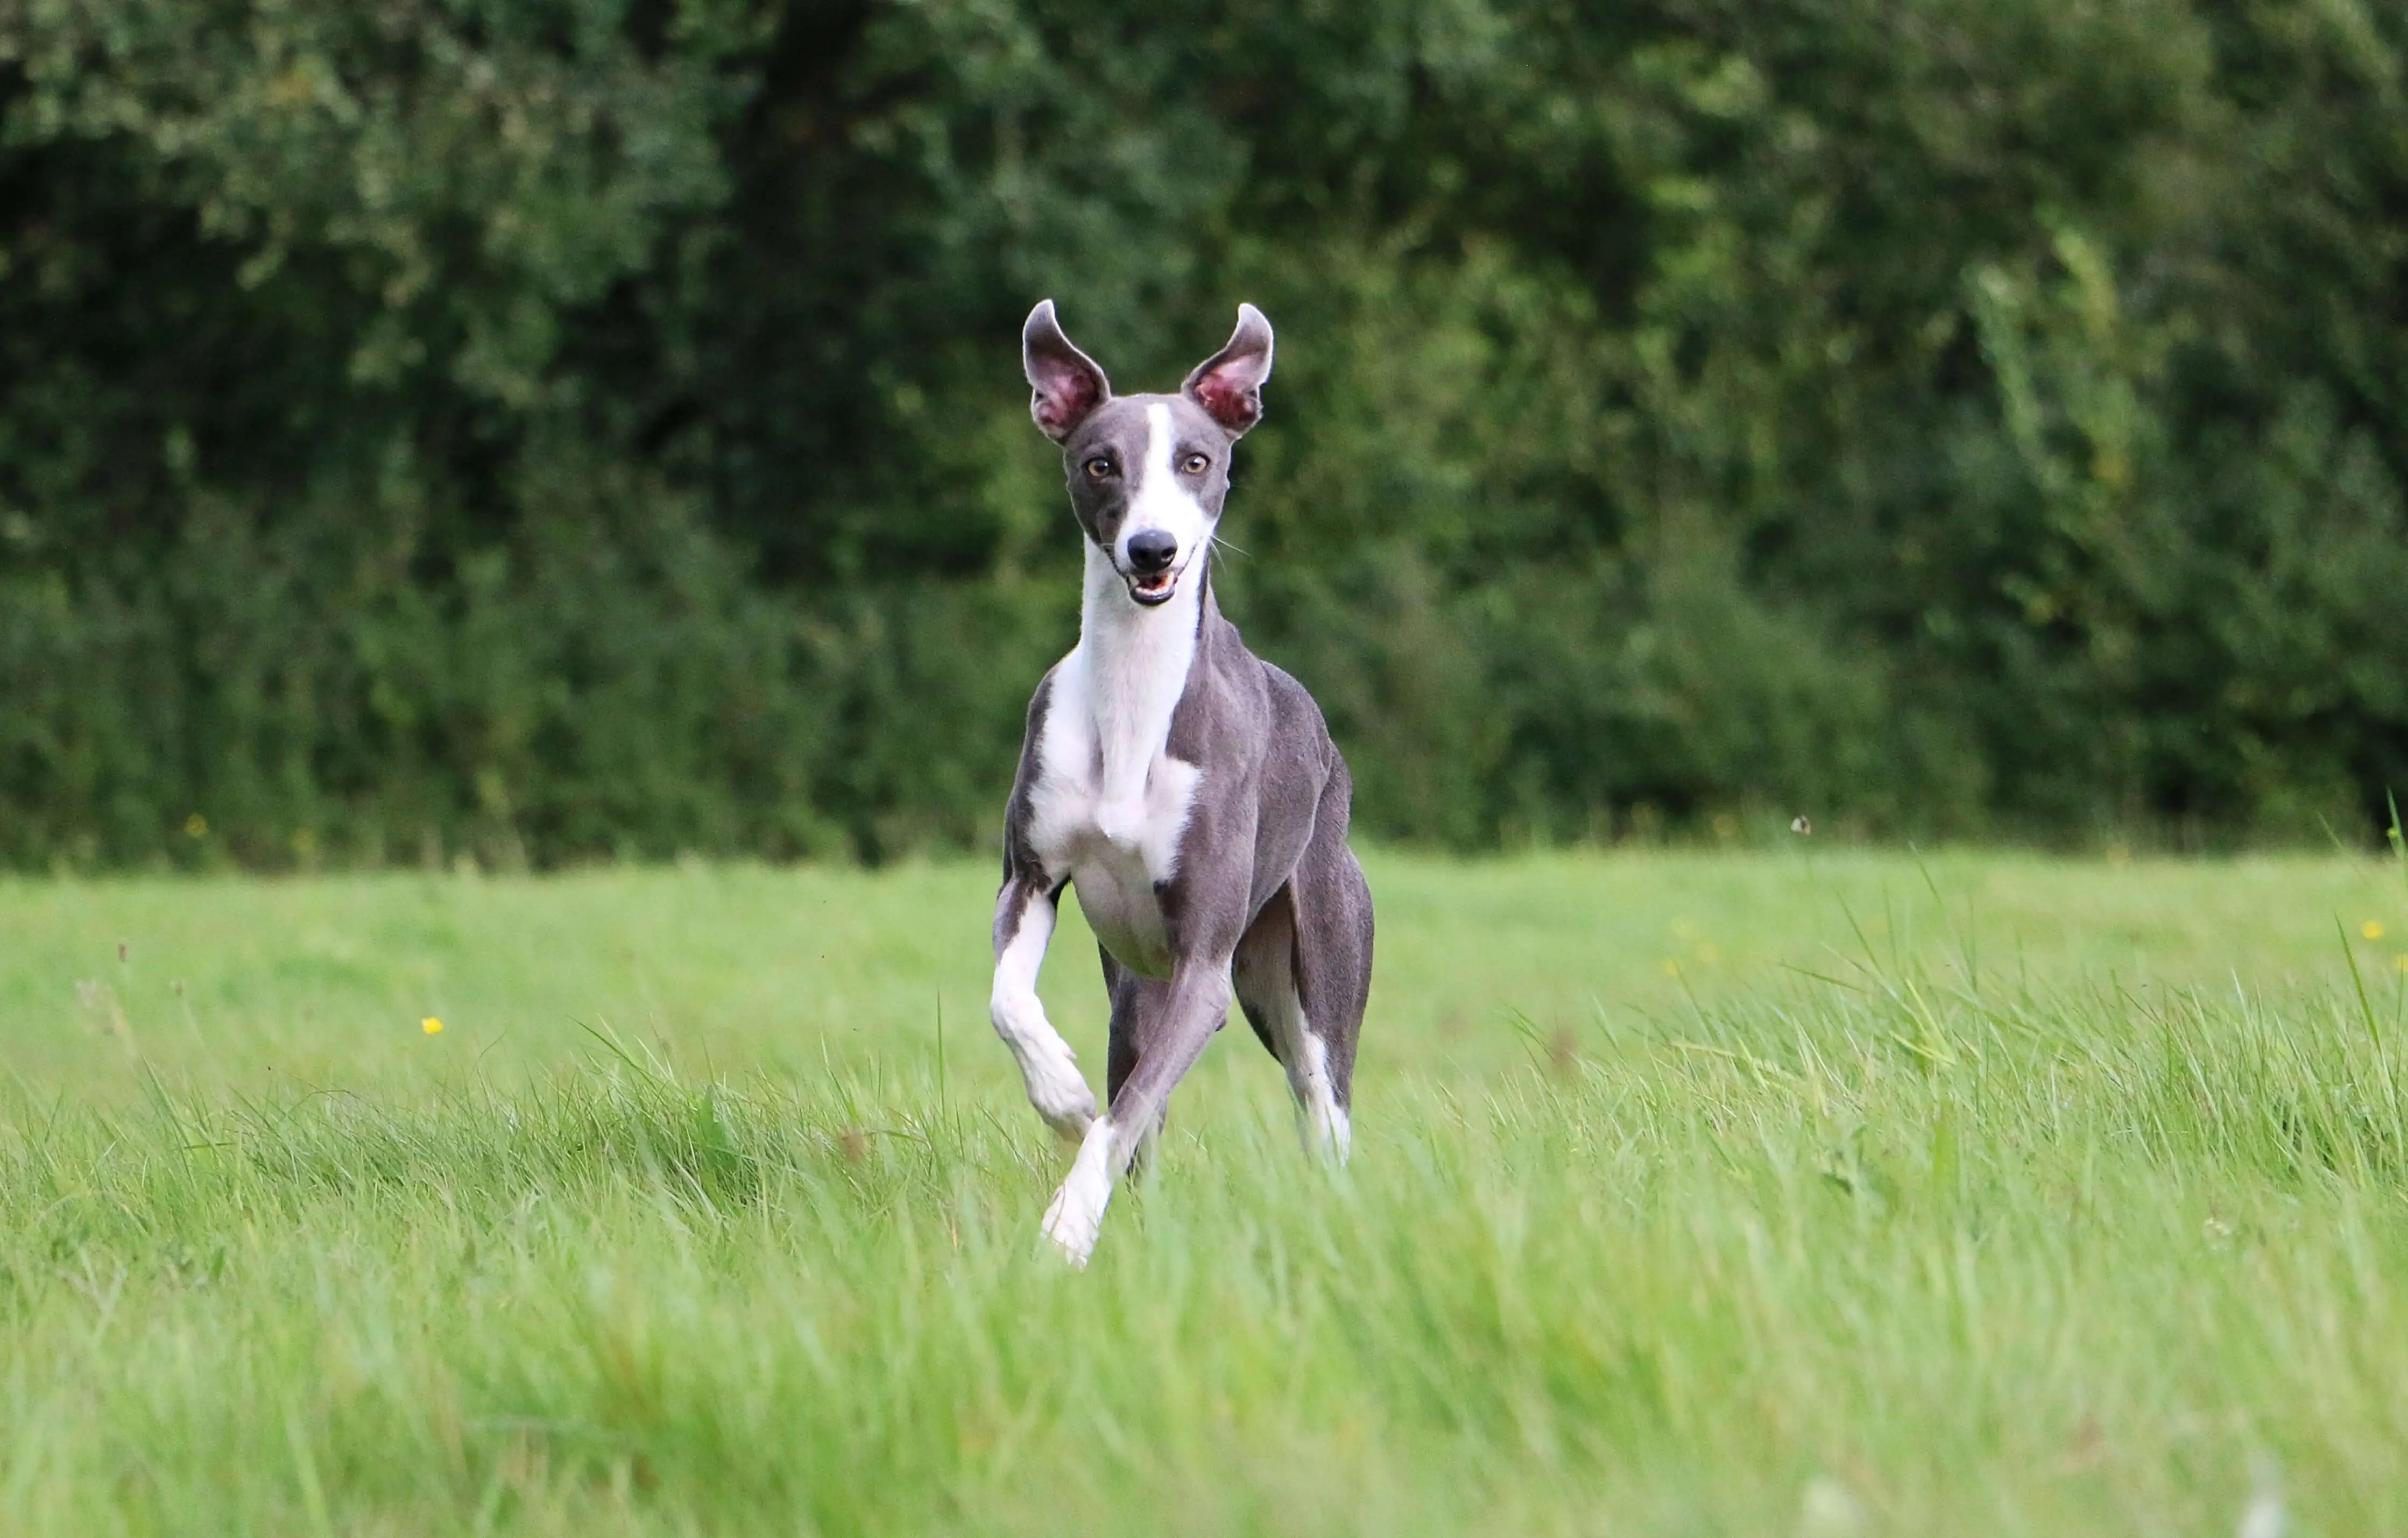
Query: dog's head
{"points": [[1148, 473]]}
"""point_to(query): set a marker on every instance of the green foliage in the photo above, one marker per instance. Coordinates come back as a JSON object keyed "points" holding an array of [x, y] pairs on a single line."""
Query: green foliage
{"points": [[552, 428]]}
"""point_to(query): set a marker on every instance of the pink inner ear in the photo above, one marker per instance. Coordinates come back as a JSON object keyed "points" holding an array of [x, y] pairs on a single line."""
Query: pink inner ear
{"points": [[1227, 403], [1065, 398]]}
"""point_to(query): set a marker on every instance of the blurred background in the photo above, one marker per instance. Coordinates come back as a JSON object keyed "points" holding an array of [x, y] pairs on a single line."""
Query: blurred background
{"points": [[540, 431]]}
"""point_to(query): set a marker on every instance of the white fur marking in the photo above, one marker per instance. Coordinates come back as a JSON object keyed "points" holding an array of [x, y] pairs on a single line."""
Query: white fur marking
{"points": [[1133, 661], [1161, 501], [1330, 1126], [1047, 1065], [1321, 1120], [1109, 802], [1076, 1215]]}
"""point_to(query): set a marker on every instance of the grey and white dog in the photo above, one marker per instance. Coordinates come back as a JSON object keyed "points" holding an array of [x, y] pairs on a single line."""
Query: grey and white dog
{"points": [[1186, 787]]}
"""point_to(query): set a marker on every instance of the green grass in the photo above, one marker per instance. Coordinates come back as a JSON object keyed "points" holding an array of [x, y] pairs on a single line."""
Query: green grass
{"points": [[1692, 1193]]}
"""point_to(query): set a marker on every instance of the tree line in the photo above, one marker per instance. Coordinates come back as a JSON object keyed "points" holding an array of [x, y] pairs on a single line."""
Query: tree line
{"points": [[548, 429]]}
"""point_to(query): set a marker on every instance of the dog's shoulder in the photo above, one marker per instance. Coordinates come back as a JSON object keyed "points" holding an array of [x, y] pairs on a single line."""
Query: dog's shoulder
{"points": [[1040, 702], [1018, 809], [1289, 698], [1295, 715], [1229, 691], [1249, 700]]}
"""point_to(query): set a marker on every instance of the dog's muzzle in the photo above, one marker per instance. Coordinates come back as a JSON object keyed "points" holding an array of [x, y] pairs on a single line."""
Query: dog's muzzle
{"points": [[1150, 574]]}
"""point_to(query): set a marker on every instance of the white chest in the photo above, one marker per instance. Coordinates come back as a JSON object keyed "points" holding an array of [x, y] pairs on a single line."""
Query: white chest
{"points": [[1109, 802], [1116, 853]]}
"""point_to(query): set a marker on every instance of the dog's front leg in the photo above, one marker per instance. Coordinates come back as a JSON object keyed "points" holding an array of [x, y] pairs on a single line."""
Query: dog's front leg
{"points": [[1196, 1003], [1023, 923]]}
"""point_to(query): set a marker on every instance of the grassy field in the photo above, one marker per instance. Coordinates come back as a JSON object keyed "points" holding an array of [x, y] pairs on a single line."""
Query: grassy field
{"points": [[1803, 1192]]}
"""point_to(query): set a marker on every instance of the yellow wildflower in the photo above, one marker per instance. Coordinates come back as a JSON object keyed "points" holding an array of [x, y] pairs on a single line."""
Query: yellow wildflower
{"points": [[2372, 929], [432, 1026]]}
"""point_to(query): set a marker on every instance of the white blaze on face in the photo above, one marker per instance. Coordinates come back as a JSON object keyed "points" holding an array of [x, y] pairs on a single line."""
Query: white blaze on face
{"points": [[1160, 500]]}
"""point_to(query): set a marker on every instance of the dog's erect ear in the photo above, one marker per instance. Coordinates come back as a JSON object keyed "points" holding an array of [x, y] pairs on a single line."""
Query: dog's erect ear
{"points": [[1229, 383], [1067, 383]]}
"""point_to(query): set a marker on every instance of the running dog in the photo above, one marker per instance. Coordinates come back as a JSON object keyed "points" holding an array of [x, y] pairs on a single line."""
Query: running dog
{"points": [[1187, 788]]}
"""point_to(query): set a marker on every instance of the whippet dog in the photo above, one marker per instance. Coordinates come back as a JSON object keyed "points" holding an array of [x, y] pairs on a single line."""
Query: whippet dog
{"points": [[1186, 787]]}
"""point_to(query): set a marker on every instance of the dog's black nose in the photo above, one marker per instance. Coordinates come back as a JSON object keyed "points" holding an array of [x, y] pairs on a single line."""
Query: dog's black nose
{"points": [[1152, 549]]}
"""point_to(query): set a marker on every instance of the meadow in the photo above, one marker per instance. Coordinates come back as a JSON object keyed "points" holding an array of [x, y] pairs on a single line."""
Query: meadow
{"points": [[1793, 1189]]}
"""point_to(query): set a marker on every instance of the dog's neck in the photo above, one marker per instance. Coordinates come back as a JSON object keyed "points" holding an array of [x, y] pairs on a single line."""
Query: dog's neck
{"points": [[1138, 660]]}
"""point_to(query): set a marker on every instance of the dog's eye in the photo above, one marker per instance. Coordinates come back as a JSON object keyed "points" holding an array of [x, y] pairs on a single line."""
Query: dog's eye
{"points": [[1195, 465], [1098, 467]]}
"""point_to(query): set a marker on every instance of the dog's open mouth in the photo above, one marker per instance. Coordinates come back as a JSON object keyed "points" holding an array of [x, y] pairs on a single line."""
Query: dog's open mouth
{"points": [[1152, 588]]}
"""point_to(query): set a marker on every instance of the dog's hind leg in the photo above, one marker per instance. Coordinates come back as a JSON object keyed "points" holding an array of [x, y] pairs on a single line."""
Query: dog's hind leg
{"points": [[1317, 1054], [1303, 974], [1268, 989]]}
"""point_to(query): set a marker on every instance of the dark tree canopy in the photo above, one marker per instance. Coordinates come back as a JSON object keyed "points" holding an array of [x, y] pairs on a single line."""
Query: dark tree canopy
{"points": [[559, 428]]}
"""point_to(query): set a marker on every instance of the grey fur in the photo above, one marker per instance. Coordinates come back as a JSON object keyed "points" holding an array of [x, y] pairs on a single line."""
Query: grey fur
{"points": [[1266, 901]]}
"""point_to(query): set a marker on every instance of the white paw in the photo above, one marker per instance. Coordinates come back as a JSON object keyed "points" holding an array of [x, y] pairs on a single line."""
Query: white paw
{"points": [[1076, 1215], [1048, 1068], [1334, 1134], [1072, 1226], [1059, 1090]]}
